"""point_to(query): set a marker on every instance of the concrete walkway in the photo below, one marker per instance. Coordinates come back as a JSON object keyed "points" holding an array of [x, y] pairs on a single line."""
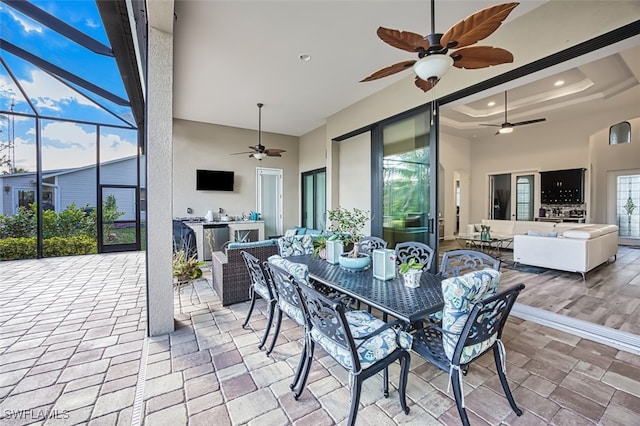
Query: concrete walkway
{"points": [[73, 351]]}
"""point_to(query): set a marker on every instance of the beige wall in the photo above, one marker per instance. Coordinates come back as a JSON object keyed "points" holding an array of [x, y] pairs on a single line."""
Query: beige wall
{"points": [[455, 159], [354, 174], [208, 146]]}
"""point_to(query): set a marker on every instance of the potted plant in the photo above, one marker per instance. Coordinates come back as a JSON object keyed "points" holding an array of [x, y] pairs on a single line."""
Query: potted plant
{"points": [[348, 223], [411, 271], [320, 247], [186, 268]]}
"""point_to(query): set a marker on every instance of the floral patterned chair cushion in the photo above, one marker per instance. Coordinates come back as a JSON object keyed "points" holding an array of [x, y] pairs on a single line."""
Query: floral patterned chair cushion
{"points": [[296, 245], [300, 271], [370, 350], [460, 294], [261, 289]]}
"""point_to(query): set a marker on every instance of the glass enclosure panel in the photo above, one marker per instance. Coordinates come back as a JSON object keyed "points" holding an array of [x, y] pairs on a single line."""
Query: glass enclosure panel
{"points": [[628, 203], [118, 215], [524, 197], [406, 176], [118, 181], [68, 187]]}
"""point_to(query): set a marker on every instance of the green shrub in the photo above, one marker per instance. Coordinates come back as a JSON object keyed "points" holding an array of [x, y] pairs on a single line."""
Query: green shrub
{"points": [[18, 248], [19, 225], [26, 248]]}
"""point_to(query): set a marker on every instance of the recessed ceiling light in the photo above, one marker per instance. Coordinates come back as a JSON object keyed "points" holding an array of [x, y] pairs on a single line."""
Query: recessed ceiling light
{"points": [[304, 57], [491, 104], [558, 83]]}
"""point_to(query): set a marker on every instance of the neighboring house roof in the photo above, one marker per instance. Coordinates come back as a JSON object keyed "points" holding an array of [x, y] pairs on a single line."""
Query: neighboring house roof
{"points": [[58, 172]]}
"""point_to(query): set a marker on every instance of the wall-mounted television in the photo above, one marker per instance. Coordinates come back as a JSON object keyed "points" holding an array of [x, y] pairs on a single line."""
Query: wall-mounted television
{"points": [[214, 180]]}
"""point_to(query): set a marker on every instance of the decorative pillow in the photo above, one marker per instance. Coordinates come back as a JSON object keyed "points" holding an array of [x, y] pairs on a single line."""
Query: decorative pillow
{"points": [[460, 295], [369, 351], [300, 271], [289, 232], [262, 243], [295, 246], [300, 230]]}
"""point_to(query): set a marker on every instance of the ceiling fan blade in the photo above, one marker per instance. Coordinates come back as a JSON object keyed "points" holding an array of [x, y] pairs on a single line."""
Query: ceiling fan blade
{"points": [[274, 152], [522, 123], [405, 40], [425, 85], [391, 69], [238, 153], [475, 57], [478, 26], [492, 125]]}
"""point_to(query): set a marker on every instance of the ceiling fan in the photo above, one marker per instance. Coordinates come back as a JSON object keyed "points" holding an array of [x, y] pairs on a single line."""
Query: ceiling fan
{"points": [[507, 127], [260, 151], [433, 61]]}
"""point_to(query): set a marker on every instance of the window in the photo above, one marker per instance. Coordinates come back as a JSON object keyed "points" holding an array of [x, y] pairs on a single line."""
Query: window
{"points": [[628, 205]]}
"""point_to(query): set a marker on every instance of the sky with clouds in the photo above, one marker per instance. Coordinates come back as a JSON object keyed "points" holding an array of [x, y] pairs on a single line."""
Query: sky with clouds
{"points": [[65, 144]]}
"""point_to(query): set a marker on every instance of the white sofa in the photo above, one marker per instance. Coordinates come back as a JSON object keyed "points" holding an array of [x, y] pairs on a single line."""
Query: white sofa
{"points": [[565, 246]]}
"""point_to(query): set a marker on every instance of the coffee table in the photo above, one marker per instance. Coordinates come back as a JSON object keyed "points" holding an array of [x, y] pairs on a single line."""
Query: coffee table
{"points": [[491, 246]]}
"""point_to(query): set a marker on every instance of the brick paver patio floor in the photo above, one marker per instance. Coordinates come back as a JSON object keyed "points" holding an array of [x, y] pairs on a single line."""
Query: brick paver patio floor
{"points": [[73, 351]]}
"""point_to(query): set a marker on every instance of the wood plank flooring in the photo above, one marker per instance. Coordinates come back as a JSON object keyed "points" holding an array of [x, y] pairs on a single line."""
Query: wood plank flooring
{"points": [[610, 295]]}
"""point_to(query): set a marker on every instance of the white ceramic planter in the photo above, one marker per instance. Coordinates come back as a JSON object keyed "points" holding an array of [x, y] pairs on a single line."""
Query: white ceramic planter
{"points": [[412, 278]]}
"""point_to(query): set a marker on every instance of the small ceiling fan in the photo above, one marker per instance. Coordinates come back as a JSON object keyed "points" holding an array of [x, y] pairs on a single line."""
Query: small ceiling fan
{"points": [[433, 61], [260, 151], [507, 127]]}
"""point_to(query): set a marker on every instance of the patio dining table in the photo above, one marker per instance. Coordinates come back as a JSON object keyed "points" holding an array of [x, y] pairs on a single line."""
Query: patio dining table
{"points": [[392, 297]]}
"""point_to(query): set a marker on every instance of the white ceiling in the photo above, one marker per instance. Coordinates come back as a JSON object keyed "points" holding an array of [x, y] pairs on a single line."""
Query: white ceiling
{"points": [[230, 55]]}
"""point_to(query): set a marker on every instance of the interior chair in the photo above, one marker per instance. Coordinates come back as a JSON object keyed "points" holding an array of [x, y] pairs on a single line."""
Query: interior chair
{"points": [[358, 341], [261, 286], [415, 250], [458, 262], [473, 319], [367, 245]]}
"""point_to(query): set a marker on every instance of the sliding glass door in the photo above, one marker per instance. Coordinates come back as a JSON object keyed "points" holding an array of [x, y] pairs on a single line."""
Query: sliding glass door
{"points": [[314, 196], [407, 176]]}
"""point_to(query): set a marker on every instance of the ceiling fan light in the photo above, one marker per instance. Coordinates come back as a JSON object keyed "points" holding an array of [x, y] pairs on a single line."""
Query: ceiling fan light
{"points": [[505, 130], [433, 66], [259, 155]]}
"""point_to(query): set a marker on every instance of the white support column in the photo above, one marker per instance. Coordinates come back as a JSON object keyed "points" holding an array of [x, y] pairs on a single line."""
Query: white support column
{"points": [[159, 177]]}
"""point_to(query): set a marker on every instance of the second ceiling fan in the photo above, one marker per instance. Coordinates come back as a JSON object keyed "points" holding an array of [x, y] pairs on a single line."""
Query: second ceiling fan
{"points": [[260, 151], [507, 127]]}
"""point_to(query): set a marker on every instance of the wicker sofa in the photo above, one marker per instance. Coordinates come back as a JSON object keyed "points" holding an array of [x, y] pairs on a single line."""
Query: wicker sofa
{"points": [[230, 276]]}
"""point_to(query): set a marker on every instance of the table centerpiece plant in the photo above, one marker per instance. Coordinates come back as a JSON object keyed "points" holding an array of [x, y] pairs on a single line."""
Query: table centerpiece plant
{"points": [[348, 224], [411, 271]]}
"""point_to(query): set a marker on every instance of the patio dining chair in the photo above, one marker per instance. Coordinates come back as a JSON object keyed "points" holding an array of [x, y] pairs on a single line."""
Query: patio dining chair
{"points": [[459, 262], [367, 245], [415, 250], [361, 343], [261, 286], [286, 276], [473, 320]]}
